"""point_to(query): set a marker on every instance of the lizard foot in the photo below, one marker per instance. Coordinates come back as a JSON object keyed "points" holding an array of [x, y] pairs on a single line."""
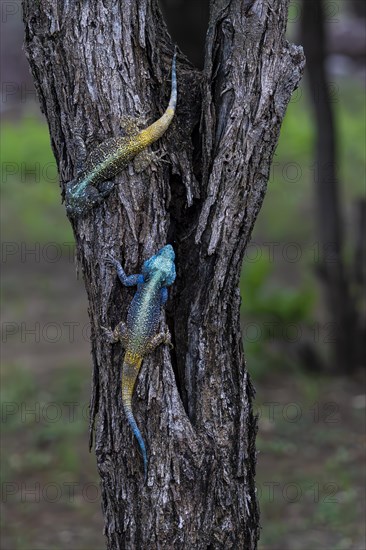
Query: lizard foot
{"points": [[168, 339], [111, 260], [105, 188], [145, 158], [131, 126]]}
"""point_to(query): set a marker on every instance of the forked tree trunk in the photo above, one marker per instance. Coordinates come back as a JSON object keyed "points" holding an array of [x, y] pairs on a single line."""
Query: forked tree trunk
{"points": [[94, 62]]}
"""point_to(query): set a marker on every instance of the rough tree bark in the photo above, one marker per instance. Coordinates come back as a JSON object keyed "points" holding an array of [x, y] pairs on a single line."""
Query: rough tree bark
{"points": [[94, 62]]}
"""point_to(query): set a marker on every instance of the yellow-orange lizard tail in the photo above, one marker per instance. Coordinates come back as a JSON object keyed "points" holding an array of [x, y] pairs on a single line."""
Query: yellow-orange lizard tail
{"points": [[159, 127]]}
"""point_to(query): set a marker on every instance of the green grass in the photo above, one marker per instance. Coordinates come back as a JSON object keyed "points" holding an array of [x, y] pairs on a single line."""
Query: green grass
{"points": [[307, 471], [31, 200], [51, 417], [350, 115], [49, 452]]}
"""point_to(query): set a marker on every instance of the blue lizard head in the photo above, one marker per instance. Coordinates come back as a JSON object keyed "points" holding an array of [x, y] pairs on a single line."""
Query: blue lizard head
{"points": [[161, 264]]}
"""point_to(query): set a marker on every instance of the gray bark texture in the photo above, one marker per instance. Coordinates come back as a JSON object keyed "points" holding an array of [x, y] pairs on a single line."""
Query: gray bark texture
{"points": [[94, 62]]}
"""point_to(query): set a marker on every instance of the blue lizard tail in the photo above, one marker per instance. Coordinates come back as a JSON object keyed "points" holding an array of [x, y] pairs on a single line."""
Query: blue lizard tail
{"points": [[130, 370], [173, 93], [137, 433]]}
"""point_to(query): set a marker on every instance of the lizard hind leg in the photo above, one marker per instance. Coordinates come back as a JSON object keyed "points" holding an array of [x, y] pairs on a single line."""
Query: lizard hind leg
{"points": [[144, 159], [161, 338], [131, 126]]}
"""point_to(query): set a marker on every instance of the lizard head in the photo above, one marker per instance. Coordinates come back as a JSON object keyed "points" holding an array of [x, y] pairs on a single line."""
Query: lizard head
{"points": [[161, 264], [76, 206]]}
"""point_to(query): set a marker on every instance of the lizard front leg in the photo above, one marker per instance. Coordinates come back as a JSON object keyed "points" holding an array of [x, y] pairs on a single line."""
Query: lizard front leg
{"points": [[78, 203], [126, 280], [105, 188]]}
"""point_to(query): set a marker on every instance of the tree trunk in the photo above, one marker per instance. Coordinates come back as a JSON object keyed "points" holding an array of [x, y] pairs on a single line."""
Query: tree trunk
{"points": [[359, 8], [92, 63], [339, 303]]}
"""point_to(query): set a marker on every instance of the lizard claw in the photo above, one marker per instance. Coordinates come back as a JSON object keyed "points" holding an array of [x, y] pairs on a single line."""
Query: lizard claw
{"points": [[110, 260], [160, 158], [168, 340]]}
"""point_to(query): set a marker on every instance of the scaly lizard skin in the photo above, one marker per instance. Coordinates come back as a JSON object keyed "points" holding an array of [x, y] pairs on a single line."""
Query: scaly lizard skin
{"points": [[138, 335], [92, 184]]}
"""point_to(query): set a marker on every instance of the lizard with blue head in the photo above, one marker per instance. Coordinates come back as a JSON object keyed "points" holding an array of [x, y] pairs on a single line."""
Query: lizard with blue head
{"points": [[139, 335]]}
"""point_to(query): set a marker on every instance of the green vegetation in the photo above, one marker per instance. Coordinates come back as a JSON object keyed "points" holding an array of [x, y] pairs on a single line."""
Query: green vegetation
{"points": [[279, 286], [51, 416], [31, 202], [47, 468]]}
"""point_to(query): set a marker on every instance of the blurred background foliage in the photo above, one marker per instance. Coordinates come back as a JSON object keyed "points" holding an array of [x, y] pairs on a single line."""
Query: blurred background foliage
{"points": [[311, 415]]}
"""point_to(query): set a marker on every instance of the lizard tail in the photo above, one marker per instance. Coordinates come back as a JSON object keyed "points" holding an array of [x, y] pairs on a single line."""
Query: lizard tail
{"points": [[173, 94], [130, 370], [159, 127]]}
